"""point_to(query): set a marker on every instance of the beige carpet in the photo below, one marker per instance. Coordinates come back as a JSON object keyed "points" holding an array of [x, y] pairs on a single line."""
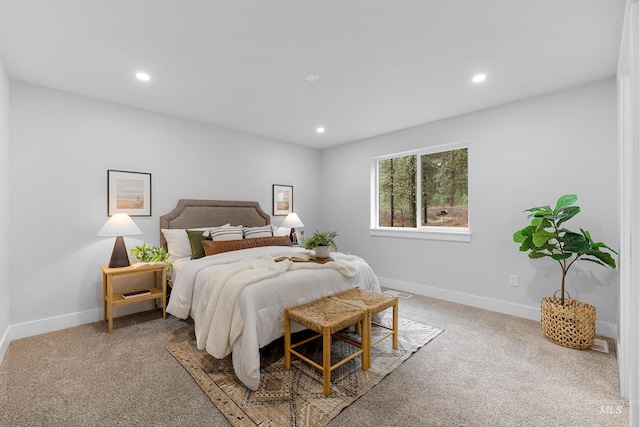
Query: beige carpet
{"points": [[294, 397], [487, 369]]}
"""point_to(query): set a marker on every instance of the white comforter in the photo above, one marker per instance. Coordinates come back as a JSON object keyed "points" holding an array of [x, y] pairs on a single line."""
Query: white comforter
{"points": [[262, 296]]}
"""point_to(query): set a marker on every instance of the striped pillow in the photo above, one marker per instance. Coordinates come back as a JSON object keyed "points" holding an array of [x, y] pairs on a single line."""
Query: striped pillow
{"points": [[253, 232], [207, 232], [233, 232]]}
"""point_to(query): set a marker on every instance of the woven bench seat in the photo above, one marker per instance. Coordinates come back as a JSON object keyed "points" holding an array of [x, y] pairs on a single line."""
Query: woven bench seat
{"points": [[373, 303], [325, 316]]}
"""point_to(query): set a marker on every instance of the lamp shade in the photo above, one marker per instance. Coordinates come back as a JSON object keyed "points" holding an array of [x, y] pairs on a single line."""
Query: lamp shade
{"points": [[292, 221], [119, 224]]}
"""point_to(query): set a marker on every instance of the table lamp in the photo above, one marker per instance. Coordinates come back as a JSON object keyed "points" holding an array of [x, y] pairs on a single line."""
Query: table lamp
{"points": [[119, 225], [292, 221]]}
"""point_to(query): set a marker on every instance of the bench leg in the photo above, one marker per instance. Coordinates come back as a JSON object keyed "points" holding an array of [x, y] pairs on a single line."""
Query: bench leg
{"points": [[395, 325], [287, 340], [326, 361], [366, 340]]}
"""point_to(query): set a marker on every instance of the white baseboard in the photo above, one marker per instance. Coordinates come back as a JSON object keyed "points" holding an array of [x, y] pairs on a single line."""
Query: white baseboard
{"points": [[41, 326], [4, 343], [605, 329], [50, 324]]}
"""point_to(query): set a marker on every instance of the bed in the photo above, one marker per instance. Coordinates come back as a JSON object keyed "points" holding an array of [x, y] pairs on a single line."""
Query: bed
{"points": [[237, 297]]}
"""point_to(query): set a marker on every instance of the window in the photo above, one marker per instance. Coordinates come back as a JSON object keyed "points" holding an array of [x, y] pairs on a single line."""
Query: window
{"points": [[423, 193]]}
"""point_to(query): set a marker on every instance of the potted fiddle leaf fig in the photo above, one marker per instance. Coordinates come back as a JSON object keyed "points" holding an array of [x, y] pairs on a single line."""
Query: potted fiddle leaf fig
{"points": [[322, 243], [565, 321]]}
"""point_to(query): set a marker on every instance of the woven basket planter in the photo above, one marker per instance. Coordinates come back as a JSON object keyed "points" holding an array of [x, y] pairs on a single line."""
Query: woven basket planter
{"points": [[570, 325]]}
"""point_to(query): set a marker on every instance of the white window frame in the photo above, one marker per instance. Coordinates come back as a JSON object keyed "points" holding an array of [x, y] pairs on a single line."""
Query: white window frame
{"points": [[458, 234]]}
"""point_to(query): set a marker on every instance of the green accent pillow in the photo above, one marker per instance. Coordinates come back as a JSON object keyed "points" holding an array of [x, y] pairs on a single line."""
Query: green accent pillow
{"points": [[195, 240]]}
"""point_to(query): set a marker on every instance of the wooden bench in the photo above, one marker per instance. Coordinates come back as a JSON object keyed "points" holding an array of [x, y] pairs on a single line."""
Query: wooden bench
{"points": [[326, 316], [373, 303]]}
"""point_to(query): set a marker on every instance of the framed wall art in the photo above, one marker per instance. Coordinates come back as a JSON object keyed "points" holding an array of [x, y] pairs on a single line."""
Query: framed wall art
{"points": [[128, 192], [282, 200]]}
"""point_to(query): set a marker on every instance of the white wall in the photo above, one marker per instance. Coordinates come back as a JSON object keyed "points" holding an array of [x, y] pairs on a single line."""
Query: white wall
{"points": [[4, 212], [62, 145], [521, 155], [61, 148], [629, 160]]}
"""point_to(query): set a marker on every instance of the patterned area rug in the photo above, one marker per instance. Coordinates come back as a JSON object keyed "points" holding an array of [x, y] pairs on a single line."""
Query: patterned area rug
{"points": [[294, 397]]}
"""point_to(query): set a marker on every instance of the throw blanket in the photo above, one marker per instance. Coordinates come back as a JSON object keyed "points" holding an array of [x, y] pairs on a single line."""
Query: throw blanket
{"points": [[218, 321]]}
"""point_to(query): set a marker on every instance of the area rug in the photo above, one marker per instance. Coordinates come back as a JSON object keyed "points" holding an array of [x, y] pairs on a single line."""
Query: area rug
{"points": [[294, 397]]}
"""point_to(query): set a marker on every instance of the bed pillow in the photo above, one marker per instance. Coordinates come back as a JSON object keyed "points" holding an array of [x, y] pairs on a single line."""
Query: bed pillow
{"points": [[253, 232], [207, 232], [178, 244], [195, 242], [212, 247], [233, 232]]}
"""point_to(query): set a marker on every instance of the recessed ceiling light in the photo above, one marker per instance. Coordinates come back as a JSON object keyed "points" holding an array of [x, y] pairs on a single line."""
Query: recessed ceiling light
{"points": [[312, 77], [479, 78], [320, 130], [143, 76]]}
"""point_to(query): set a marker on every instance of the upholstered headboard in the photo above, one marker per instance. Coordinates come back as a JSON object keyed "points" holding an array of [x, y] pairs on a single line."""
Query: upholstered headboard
{"points": [[190, 213]]}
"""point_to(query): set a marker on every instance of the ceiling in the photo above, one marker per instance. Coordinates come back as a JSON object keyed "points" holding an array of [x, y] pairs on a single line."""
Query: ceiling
{"points": [[384, 65]]}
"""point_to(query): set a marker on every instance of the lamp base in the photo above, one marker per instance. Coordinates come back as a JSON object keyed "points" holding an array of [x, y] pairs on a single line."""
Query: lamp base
{"points": [[119, 256], [293, 237]]}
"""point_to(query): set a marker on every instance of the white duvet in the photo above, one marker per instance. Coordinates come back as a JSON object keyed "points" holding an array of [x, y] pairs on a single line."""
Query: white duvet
{"points": [[207, 288]]}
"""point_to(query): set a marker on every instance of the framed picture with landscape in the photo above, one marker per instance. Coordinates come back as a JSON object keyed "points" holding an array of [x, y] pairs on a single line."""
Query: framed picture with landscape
{"points": [[128, 192], [282, 199]]}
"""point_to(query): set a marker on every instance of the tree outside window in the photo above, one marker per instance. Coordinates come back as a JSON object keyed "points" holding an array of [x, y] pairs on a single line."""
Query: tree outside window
{"points": [[397, 190], [437, 182], [445, 189]]}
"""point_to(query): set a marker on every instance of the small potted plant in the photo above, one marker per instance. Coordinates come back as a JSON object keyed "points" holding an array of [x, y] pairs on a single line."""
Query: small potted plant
{"points": [[322, 243], [150, 254], [566, 322]]}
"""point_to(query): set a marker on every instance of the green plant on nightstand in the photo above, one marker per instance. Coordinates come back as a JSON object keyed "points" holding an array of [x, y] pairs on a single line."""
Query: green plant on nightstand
{"points": [[150, 254], [322, 242]]}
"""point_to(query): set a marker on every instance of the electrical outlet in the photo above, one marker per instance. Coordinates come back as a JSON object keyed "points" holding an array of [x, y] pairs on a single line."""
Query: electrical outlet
{"points": [[513, 280]]}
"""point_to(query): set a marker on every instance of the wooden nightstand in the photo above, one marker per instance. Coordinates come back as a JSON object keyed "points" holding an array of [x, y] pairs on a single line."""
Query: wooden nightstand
{"points": [[111, 299]]}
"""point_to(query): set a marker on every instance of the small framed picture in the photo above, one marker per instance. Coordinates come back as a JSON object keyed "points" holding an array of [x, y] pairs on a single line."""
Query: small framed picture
{"points": [[282, 200], [128, 192]]}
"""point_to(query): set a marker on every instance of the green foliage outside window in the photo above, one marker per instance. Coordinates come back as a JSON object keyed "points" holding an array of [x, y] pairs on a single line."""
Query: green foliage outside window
{"points": [[445, 188], [397, 190], [443, 197]]}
